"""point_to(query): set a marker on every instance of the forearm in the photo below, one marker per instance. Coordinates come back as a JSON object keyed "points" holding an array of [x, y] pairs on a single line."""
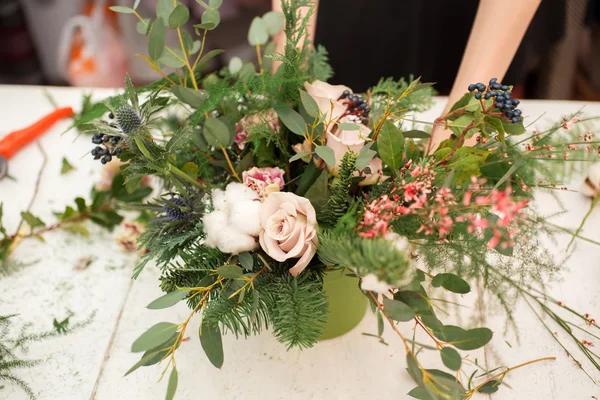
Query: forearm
{"points": [[497, 32], [312, 24]]}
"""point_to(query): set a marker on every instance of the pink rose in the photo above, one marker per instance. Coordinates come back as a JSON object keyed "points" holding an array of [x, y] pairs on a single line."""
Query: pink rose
{"points": [[343, 141], [289, 225], [328, 99], [241, 128], [264, 180]]}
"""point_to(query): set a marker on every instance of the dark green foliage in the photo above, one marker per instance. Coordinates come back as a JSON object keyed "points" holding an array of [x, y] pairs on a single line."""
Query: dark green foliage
{"points": [[364, 256], [418, 99], [339, 202], [318, 64], [300, 310]]}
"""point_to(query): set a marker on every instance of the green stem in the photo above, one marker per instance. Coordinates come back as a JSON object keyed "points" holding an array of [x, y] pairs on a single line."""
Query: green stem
{"points": [[184, 176], [580, 227]]}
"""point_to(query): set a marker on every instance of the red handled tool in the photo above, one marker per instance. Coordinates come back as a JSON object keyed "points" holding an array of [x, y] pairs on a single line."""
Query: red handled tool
{"points": [[15, 141]]}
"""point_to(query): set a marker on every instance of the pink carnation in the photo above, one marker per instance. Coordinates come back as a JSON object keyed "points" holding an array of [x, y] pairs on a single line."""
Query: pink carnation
{"points": [[264, 180], [241, 128]]}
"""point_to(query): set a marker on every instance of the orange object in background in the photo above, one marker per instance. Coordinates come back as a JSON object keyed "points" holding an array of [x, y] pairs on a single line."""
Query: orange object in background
{"points": [[90, 51]]}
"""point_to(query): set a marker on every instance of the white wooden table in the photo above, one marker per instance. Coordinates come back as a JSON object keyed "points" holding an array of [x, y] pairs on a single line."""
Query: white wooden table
{"points": [[90, 363]]}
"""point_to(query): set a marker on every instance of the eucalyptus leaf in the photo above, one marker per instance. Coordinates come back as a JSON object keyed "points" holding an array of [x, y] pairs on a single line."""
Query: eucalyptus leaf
{"points": [[257, 34], [309, 104], [420, 393], [230, 271], [397, 310], [274, 21], [136, 4], [179, 16], [172, 385], [148, 357], [246, 260], [156, 40], [189, 96], [143, 27], [154, 336], [215, 3], [66, 166], [318, 193], [490, 387], [235, 65], [172, 60], [416, 134], [122, 10], [413, 368], [216, 133], [209, 56], [451, 282], [327, 154], [451, 358], [299, 156], [390, 145], [247, 71], [347, 126], [291, 119], [365, 155], [164, 8], [168, 300], [211, 16], [208, 26], [210, 339]]}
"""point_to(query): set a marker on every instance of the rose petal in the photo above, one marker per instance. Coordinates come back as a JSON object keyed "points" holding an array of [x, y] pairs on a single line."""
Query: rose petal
{"points": [[304, 260]]}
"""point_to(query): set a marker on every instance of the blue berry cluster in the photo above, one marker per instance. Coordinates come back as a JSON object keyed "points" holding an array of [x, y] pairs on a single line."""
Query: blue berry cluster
{"points": [[356, 105], [501, 95], [173, 209], [111, 144]]}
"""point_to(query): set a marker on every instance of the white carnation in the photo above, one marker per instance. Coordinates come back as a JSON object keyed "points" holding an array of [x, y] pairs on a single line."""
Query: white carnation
{"points": [[234, 224]]}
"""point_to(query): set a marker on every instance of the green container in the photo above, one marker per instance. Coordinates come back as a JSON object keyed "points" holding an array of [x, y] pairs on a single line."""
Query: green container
{"points": [[347, 303]]}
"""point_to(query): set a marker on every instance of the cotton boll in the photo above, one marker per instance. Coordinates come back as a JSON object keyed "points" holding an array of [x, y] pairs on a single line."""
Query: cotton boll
{"points": [[213, 224], [371, 283], [237, 192], [219, 200], [591, 185], [245, 218], [400, 242], [234, 242]]}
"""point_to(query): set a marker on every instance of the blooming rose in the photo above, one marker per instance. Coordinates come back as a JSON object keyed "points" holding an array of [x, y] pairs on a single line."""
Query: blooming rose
{"points": [[264, 180], [289, 225], [344, 141], [241, 128], [234, 224], [326, 96]]}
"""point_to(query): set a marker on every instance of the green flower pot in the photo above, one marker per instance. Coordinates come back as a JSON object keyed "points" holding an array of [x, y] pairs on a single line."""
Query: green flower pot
{"points": [[347, 304]]}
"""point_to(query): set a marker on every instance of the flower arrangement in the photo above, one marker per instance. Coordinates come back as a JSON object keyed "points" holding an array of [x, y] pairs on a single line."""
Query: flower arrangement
{"points": [[276, 180]]}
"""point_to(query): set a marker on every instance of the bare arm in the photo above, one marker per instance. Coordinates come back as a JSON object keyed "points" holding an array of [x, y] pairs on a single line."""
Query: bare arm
{"points": [[497, 32], [312, 26]]}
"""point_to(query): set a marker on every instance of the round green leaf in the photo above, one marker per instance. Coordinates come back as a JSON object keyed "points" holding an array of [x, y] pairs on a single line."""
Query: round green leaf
{"points": [[299, 156], [397, 310], [168, 300], [154, 336], [179, 16], [188, 96], [274, 22], [211, 16], [235, 65], [121, 9], [230, 271], [451, 282], [451, 358], [170, 60], [216, 133], [143, 27], [208, 26], [257, 34], [347, 126], [210, 339], [156, 40], [215, 3], [327, 154], [136, 4], [365, 155], [164, 8]]}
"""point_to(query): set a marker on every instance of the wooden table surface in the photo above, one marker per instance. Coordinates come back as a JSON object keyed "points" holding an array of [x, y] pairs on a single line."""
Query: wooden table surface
{"points": [[90, 363]]}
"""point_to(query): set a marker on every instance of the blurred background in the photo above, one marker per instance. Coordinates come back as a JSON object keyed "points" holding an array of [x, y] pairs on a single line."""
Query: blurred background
{"points": [[47, 42]]}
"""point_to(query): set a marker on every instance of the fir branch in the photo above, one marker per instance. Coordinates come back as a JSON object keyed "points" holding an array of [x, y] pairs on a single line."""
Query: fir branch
{"points": [[364, 256], [318, 64], [338, 204], [300, 310]]}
